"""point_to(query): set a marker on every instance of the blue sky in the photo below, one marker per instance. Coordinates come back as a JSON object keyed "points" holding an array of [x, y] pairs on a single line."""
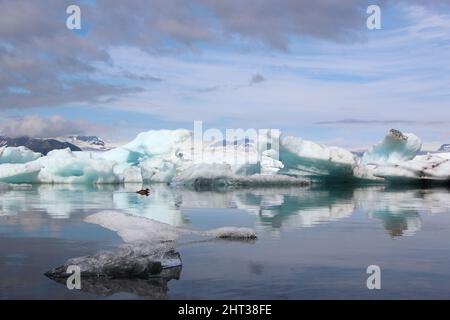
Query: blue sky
{"points": [[328, 79]]}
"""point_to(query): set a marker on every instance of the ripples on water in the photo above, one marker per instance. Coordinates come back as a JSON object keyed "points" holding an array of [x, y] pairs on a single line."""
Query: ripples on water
{"points": [[313, 242]]}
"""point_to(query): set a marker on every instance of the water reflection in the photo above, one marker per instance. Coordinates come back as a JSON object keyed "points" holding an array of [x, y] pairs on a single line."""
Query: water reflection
{"points": [[397, 210], [154, 288]]}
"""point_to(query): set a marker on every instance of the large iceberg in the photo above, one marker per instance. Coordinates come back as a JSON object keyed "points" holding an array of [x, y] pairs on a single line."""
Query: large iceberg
{"points": [[17, 155], [174, 156]]}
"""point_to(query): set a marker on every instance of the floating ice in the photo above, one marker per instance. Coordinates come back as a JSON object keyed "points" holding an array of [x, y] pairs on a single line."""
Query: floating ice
{"points": [[306, 158], [232, 233], [65, 166], [20, 172], [137, 261], [395, 147], [157, 170], [434, 167], [269, 163], [154, 288], [171, 157], [17, 155], [217, 175], [133, 229], [148, 250]]}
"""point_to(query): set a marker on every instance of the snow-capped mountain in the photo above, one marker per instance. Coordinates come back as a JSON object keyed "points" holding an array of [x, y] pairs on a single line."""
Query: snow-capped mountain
{"points": [[37, 145], [86, 143], [444, 148]]}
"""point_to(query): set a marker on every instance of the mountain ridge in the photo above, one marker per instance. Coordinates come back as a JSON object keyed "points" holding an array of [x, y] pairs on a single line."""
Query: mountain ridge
{"points": [[43, 146]]}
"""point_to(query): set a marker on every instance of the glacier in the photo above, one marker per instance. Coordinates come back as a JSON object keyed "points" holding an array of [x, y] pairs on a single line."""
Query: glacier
{"points": [[174, 157]]}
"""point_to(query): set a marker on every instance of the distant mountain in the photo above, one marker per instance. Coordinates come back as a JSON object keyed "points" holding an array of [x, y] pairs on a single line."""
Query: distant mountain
{"points": [[86, 142], [444, 148], [43, 146]]}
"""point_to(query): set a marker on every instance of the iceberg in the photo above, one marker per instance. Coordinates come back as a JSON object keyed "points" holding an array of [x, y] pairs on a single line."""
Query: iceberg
{"points": [[395, 147], [429, 168], [66, 166], [148, 250], [219, 175], [17, 155], [154, 287], [138, 261], [307, 158], [20, 172], [172, 156]]}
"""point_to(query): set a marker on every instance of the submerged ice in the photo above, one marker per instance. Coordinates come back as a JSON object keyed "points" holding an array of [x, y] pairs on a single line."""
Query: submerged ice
{"points": [[133, 229], [148, 249], [172, 156]]}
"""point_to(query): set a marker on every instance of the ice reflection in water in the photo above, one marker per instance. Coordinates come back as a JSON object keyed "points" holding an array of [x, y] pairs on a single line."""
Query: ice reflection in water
{"points": [[398, 210], [309, 224]]}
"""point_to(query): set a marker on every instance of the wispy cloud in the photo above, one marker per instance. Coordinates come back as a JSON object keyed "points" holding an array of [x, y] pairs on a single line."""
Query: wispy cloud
{"points": [[383, 122], [184, 60], [139, 77], [208, 89], [51, 127]]}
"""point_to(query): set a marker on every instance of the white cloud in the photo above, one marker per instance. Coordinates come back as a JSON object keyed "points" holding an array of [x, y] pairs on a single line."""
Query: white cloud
{"points": [[36, 126], [400, 73]]}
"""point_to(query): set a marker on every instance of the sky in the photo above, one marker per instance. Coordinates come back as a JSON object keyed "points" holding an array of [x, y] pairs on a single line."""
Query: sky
{"points": [[308, 68]]}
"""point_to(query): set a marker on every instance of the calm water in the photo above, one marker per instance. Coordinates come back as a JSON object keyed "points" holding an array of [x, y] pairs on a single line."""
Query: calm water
{"points": [[313, 242]]}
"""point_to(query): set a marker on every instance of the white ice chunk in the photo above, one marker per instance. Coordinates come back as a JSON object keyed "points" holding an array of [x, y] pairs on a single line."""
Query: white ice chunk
{"points": [[308, 158], [232, 233], [132, 175], [20, 172], [395, 147], [170, 156], [149, 144], [17, 155], [269, 163], [133, 229], [200, 175], [157, 170], [429, 168], [158, 142], [65, 166]]}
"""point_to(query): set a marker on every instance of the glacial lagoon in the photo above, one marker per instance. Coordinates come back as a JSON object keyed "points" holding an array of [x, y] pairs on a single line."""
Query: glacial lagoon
{"points": [[313, 242]]}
